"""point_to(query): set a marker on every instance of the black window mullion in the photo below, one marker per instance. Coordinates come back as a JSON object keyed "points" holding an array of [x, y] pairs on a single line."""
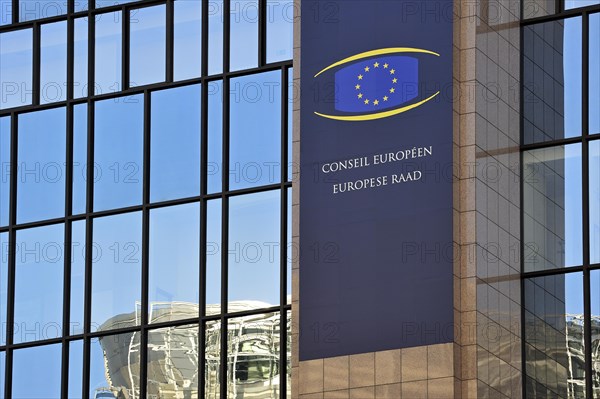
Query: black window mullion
{"points": [[170, 34], [204, 48], [91, 53], [125, 18], [70, 55], [36, 89], [262, 32]]}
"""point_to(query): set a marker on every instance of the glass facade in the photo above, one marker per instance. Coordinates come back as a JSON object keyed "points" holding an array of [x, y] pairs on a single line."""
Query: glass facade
{"points": [[145, 199], [561, 198]]}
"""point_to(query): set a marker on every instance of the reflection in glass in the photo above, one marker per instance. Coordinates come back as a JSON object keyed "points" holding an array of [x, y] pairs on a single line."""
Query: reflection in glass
{"points": [[4, 169], [594, 76], [595, 327], [41, 160], [290, 248], [3, 286], [280, 29], [147, 45], [53, 62], [75, 369], [80, 139], [107, 78], [175, 152], [215, 137], [255, 151], [253, 348], [580, 3], [115, 366], [108, 3], [554, 336], [76, 325], [39, 283], [552, 207], [213, 257], [594, 154], [118, 152], [82, 5], [174, 262], [290, 124], [244, 34], [538, 8], [552, 80], [212, 359], [215, 37], [172, 362], [16, 64], [2, 369], [116, 271], [35, 9], [80, 58], [254, 252], [187, 40], [36, 372], [5, 19]]}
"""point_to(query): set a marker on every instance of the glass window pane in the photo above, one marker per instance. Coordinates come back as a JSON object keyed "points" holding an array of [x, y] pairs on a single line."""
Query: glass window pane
{"points": [[552, 207], [75, 369], [16, 64], [4, 169], [118, 152], [215, 37], [108, 3], [187, 46], [291, 253], [244, 34], [80, 140], [580, 3], [175, 153], [36, 9], [78, 229], [255, 122], [3, 370], [290, 124], [147, 45], [172, 362], [36, 372], [594, 76], [254, 229], [215, 137], [552, 80], [53, 68], [253, 356], [554, 349], [107, 78], [212, 356], [39, 283], [115, 366], [595, 318], [116, 271], [594, 154], [213, 257], [41, 159], [3, 286], [5, 16], [280, 30], [174, 262], [538, 8], [80, 58], [81, 5]]}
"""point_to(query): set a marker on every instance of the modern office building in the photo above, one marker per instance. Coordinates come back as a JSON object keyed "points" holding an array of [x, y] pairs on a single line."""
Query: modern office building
{"points": [[307, 199]]}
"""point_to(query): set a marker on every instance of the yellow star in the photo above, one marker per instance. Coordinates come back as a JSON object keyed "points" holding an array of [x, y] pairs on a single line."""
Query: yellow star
{"points": [[360, 77], [357, 87], [394, 80], [366, 101], [392, 71], [386, 65], [376, 102], [385, 98], [376, 65], [367, 69], [360, 95], [392, 90]]}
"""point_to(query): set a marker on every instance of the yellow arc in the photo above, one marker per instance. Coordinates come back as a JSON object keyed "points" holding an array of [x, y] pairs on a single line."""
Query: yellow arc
{"points": [[381, 51], [379, 115]]}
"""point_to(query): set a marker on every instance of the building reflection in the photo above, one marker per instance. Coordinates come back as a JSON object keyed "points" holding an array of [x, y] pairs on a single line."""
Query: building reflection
{"points": [[253, 353]]}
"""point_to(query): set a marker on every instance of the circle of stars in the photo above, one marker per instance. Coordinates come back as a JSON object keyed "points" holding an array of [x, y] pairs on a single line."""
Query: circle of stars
{"points": [[385, 98]]}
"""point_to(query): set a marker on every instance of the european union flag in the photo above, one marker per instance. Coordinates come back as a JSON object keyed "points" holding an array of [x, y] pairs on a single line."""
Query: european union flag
{"points": [[377, 84]]}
